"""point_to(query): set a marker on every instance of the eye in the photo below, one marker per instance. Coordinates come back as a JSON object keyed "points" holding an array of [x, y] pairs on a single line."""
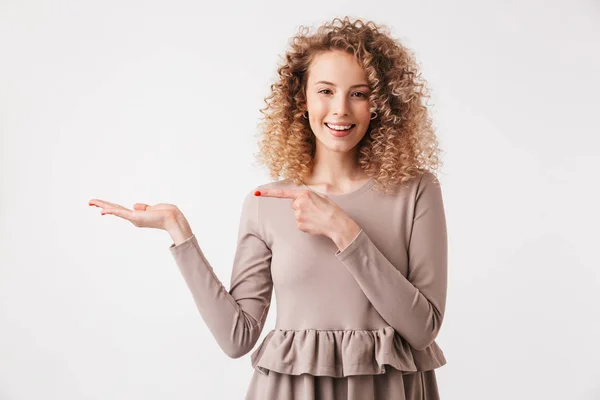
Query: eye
{"points": [[360, 94]]}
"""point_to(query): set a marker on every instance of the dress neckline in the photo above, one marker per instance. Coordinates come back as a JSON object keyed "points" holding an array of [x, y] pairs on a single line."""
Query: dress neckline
{"points": [[341, 196]]}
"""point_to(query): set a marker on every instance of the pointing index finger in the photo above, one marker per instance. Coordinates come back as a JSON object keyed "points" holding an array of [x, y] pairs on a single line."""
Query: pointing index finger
{"points": [[280, 193]]}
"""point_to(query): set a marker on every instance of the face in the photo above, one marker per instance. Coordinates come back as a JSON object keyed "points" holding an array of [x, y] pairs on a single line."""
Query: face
{"points": [[337, 93]]}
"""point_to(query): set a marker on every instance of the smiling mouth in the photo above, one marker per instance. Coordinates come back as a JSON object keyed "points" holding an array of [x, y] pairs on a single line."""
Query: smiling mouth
{"points": [[342, 132]]}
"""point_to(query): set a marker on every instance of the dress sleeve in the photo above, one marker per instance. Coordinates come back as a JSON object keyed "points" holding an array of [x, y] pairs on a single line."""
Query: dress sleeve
{"points": [[414, 305], [235, 317]]}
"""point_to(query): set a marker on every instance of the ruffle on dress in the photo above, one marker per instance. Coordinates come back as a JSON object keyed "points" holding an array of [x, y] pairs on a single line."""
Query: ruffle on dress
{"points": [[341, 353]]}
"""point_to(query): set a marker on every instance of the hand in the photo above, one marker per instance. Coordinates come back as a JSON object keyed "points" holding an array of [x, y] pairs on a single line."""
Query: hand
{"points": [[159, 216], [315, 213]]}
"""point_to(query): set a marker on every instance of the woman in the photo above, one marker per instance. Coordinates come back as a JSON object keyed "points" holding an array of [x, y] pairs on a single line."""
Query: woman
{"points": [[353, 240]]}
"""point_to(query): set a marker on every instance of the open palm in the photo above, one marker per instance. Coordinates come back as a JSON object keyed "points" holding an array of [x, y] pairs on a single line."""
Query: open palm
{"points": [[159, 216]]}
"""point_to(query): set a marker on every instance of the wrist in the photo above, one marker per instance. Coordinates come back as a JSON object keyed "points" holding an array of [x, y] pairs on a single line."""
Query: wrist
{"points": [[179, 229], [344, 232]]}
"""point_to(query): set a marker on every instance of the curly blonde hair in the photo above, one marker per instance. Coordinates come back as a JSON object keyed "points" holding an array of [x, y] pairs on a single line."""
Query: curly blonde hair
{"points": [[400, 143]]}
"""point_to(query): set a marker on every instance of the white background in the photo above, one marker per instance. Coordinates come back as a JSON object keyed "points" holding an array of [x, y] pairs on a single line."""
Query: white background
{"points": [[158, 102]]}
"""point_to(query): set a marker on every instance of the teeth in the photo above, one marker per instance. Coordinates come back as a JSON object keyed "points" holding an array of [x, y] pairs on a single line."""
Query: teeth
{"points": [[339, 127]]}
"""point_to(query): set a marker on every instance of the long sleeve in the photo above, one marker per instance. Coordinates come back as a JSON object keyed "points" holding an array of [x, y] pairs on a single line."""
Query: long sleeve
{"points": [[414, 305], [235, 318]]}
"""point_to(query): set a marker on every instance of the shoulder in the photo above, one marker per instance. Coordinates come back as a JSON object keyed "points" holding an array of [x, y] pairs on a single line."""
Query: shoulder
{"points": [[252, 201], [424, 184], [254, 209], [280, 184], [428, 190], [428, 178], [420, 182]]}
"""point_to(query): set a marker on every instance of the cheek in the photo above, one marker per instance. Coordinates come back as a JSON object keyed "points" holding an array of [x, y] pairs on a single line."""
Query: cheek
{"points": [[319, 106], [362, 111]]}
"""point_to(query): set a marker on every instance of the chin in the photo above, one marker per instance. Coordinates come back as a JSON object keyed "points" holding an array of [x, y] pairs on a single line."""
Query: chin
{"points": [[334, 145]]}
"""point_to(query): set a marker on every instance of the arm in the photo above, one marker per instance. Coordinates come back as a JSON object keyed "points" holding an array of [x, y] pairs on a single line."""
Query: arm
{"points": [[414, 305], [235, 318]]}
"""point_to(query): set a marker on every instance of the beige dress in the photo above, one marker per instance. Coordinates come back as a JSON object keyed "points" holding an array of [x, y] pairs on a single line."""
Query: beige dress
{"points": [[355, 324]]}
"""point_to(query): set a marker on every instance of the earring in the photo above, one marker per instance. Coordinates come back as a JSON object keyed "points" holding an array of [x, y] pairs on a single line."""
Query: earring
{"points": [[305, 115], [374, 112]]}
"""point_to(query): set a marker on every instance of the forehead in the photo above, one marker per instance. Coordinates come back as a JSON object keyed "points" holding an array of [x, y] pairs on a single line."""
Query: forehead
{"points": [[337, 67]]}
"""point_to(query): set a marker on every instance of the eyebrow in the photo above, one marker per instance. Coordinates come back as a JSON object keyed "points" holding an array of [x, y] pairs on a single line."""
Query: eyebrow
{"points": [[333, 84]]}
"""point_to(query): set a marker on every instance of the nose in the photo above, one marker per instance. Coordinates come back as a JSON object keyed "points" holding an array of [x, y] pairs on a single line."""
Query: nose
{"points": [[340, 106]]}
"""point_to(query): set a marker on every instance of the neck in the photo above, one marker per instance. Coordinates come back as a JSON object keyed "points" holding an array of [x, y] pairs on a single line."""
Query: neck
{"points": [[336, 169]]}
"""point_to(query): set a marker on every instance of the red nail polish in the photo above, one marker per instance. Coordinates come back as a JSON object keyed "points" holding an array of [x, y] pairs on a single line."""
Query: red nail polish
{"points": [[257, 193]]}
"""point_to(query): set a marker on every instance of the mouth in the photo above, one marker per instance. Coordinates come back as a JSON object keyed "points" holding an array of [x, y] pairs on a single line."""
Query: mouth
{"points": [[340, 132]]}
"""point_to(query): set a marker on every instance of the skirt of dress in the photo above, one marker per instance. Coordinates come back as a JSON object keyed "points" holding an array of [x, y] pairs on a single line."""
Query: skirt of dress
{"points": [[392, 385]]}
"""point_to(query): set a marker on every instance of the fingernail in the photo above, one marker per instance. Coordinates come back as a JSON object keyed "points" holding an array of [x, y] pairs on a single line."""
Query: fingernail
{"points": [[257, 193]]}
